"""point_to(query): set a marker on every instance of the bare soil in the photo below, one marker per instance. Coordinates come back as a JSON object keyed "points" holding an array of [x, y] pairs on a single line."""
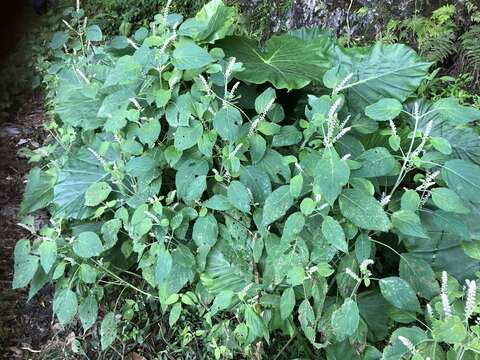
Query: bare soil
{"points": [[24, 326]]}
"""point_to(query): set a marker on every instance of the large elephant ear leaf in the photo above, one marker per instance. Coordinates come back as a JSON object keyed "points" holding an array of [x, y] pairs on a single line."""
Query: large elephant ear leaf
{"points": [[463, 178], [213, 22], [287, 61], [387, 71], [463, 139]]}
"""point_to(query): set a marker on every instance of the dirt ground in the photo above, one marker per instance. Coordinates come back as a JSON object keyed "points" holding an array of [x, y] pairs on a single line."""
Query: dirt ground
{"points": [[24, 327]]}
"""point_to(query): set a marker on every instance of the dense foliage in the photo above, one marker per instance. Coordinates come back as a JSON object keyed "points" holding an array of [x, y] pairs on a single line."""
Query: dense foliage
{"points": [[296, 200]]}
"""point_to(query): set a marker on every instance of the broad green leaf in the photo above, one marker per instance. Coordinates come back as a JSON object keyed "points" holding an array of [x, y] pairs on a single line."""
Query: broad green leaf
{"points": [[213, 22], [363, 248], [418, 273], [363, 210], [256, 325], [410, 200], [191, 179], [65, 305], [331, 174], [88, 311], [296, 275], [238, 196], [443, 247], [256, 179], [258, 146], [172, 155], [149, 132], [108, 330], [262, 100], [218, 202], [334, 234], [399, 293], [38, 192], [397, 349], [175, 313], [277, 205], [293, 226], [345, 320], [272, 164], [441, 144], [228, 122], [37, 283], [163, 266], [408, 223], [48, 254], [97, 193], [455, 113], [205, 231], [375, 162], [463, 178], [307, 206], [69, 193], [287, 303], [187, 137], [126, 71], [286, 61], [384, 109], [287, 136], [448, 200], [450, 330], [462, 139], [78, 106], [87, 245], [87, 274], [140, 223], [222, 301], [58, 39], [94, 33], [110, 231], [25, 265], [188, 56], [472, 249], [296, 185], [385, 71], [141, 166]]}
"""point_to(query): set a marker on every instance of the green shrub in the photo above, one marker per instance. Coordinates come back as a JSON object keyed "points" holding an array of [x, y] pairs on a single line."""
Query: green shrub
{"points": [[294, 200]]}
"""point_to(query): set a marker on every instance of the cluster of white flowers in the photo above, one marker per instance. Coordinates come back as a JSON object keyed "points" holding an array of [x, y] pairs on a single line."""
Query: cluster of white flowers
{"points": [[471, 297], [170, 39], [427, 183], [152, 216], [350, 273], [206, 87], [425, 135], [166, 11], [444, 295], [260, 117], [385, 199], [408, 344], [231, 93], [235, 151], [365, 264], [98, 157], [343, 84], [333, 124], [392, 127]]}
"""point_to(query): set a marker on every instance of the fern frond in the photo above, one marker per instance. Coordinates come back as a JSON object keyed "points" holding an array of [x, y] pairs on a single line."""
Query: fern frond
{"points": [[438, 49], [470, 47]]}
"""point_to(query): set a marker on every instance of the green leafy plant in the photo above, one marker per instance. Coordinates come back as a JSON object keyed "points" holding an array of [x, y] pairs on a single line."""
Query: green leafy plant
{"points": [[190, 191], [448, 37]]}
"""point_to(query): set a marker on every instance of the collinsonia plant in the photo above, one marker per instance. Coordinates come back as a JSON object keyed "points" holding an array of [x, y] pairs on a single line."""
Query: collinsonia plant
{"points": [[448, 321], [296, 199]]}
